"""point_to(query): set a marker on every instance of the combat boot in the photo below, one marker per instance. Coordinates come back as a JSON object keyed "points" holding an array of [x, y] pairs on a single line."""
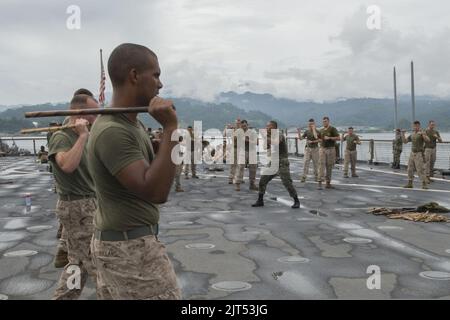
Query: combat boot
{"points": [[260, 201], [296, 204], [320, 186], [354, 175], [409, 185], [195, 176], [303, 179], [253, 186], [179, 189], [61, 259], [424, 186], [329, 186], [237, 187], [345, 175]]}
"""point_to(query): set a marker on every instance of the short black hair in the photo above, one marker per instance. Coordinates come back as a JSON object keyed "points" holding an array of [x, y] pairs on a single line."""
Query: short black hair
{"points": [[83, 91], [244, 121], [79, 101], [274, 123], [311, 120], [417, 122], [326, 118], [126, 57], [189, 127], [431, 121], [350, 128]]}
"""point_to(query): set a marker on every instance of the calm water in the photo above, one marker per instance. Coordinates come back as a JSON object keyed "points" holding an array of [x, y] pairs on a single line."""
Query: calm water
{"points": [[41, 140]]}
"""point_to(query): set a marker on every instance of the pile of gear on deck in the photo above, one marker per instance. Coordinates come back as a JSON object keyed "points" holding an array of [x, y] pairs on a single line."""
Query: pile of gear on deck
{"points": [[428, 212]]}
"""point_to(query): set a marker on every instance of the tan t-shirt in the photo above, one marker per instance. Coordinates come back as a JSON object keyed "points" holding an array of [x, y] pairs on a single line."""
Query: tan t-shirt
{"points": [[78, 182], [116, 142]]}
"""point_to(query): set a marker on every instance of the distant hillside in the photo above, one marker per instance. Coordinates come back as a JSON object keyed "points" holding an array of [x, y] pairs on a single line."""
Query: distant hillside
{"points": [[212, 115], [357, 112]]}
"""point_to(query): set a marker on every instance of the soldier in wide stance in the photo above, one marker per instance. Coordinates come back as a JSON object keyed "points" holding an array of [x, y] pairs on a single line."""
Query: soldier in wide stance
{"points": [[283, 170]]}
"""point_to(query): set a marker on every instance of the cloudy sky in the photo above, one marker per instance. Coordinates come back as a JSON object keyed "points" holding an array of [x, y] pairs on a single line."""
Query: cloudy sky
{"points": [[304, 50]]}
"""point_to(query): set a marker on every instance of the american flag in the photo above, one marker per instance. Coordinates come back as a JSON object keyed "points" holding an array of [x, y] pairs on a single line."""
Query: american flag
{"points": [[101, 96]]}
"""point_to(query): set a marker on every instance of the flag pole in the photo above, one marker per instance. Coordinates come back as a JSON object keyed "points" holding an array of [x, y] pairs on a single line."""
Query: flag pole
{"points": [[101, 97]]}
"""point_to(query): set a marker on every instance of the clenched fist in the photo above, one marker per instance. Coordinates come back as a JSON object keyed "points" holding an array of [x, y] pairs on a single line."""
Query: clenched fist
{"points": [[81, 127], [163, 111]]}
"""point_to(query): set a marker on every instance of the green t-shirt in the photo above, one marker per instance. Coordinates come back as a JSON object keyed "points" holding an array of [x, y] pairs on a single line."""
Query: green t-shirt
{"points": [[418, 142], [78, 182], [431, 134], [309, 136], [351, 142], [328, 132], [115, 143]]}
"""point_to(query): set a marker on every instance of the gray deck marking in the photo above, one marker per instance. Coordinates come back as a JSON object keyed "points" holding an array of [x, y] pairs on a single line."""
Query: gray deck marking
{"points": [[20, 253], [231, 286], [293, 259], [200, 246], [355, 240], [435, 275]]}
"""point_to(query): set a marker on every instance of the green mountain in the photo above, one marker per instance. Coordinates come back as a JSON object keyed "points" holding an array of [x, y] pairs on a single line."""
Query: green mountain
{"points": [[356, 112], [212, 115]]}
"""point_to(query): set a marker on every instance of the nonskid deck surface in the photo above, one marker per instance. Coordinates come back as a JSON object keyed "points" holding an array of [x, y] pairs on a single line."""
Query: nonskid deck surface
{"points": [[222, 248]]}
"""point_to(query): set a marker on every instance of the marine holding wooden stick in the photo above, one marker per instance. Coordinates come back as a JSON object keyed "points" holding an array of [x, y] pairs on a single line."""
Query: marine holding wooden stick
{"points": [[131, 181]]}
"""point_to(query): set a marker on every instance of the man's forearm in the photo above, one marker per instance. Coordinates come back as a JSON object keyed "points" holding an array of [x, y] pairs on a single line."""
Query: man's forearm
{"points": [[70, 160], [162, 169]]}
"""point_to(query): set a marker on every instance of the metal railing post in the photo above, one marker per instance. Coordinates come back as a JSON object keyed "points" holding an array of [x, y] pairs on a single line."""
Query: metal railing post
{"points": [[371, 150]]}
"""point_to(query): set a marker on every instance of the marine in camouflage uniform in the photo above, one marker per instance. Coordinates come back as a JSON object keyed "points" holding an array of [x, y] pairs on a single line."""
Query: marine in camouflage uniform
{"points": [[327, 154], [311, 150], [131, 182], [397, 148], [244, 160], [350, 155], [76, 204], [430, 149], [416, 158], [283, 170], [191, 166]]}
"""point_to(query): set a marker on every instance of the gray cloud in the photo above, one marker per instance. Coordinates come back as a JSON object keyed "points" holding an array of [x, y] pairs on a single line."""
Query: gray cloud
{"points": [[298, 49]]}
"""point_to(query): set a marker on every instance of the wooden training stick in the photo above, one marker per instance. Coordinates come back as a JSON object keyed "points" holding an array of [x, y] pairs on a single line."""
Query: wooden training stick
{"points": [[47, 129], [81, 112]]}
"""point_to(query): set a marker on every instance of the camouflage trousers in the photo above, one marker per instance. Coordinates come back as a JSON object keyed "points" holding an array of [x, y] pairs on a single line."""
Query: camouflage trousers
{"points": [[137, 269], [178, 170], [240, 168], [350, 157], [285, 176], [62, 238], [190, 166], [311, 154], [430, 160], [233, 167], [396, 154], [415, 163], [76, 217], [327, 159]]}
